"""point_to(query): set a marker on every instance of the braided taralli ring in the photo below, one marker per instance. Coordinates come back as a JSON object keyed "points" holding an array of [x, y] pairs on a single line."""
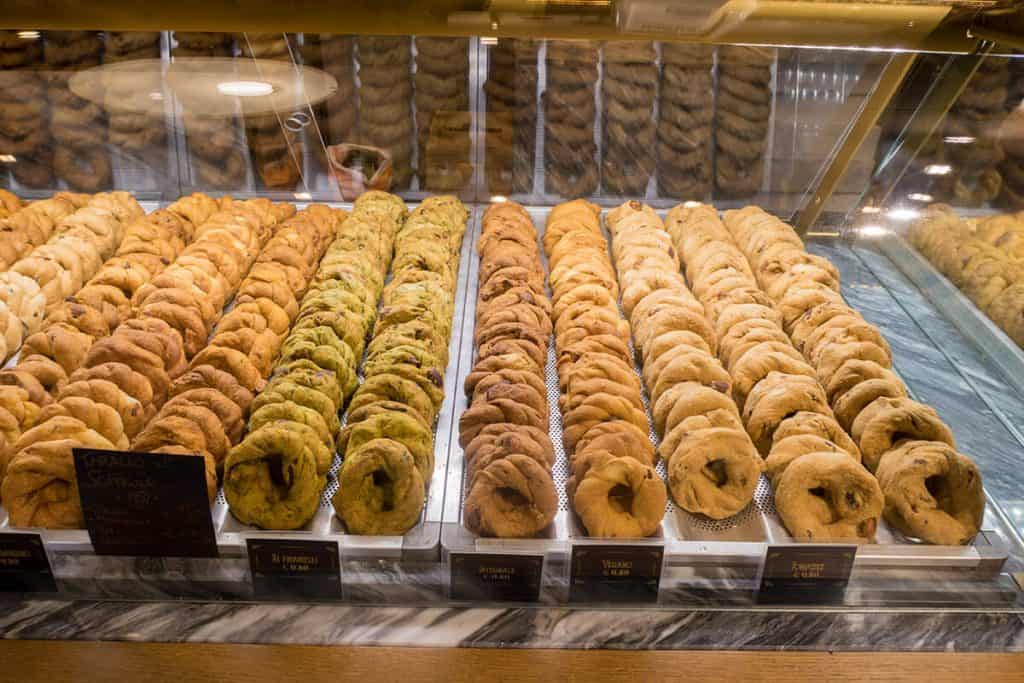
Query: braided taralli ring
{"points": [[513, 497]]}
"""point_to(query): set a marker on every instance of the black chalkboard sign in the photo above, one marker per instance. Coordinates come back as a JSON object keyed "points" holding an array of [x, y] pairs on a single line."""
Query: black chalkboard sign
{"points": [[147, 504], [285, 569], [806, 573], [497, 577], [615, 573], [24, 567]]}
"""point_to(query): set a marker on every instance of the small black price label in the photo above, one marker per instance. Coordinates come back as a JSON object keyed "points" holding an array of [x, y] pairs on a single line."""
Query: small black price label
{"points": [[285, 569], [615, 573], [806, 574], [24, 567], [496, 577], [147, 504]]}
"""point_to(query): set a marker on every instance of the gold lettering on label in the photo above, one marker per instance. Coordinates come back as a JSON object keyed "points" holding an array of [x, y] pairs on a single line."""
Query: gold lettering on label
{"points": [[617, 568], [808, 570], [497, 570], [617, 564], [496, 574]]}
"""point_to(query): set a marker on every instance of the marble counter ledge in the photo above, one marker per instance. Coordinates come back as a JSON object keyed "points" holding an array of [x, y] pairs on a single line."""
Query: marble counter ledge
{"points": [[558, 628]]}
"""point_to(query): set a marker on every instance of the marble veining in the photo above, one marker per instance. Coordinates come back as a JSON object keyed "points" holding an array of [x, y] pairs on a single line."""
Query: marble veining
{"points": [[514, 628], [925, 347]]}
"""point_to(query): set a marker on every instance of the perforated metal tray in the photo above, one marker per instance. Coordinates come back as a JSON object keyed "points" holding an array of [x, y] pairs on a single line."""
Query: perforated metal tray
{"points": [[697, 548]]}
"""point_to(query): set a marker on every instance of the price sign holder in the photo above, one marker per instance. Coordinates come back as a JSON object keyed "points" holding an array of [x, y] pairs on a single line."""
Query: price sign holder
{"points": [[496, 577], [145, 504], [289, 569], [806, 574], [615, 573], [24, 566]]}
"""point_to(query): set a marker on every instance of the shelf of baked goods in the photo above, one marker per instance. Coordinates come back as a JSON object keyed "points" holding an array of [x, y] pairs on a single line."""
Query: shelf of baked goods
{"points": [[540, 121], [213, 289], [717, 523], [235, 330]]}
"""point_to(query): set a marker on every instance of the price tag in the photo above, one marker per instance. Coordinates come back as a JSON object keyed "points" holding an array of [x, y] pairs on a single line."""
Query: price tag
{"points": [[285, 569], [149, 504], [615, 573], [496, 577], [806, 573], [24, 567]]}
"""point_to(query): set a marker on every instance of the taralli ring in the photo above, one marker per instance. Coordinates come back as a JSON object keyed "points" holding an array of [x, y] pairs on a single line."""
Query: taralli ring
{"points": [[829, 496], [621, 499], [270, 479], [887, 421], [932, 492], [513, 497], [381, 491], [714, 472]]}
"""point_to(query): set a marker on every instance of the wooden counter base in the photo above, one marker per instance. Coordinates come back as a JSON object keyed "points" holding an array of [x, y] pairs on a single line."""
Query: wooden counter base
{"points": [[54, 661]]}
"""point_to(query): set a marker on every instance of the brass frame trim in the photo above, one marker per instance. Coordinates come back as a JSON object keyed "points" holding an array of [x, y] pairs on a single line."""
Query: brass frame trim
{"points": [[902, 25], [997, 36]]}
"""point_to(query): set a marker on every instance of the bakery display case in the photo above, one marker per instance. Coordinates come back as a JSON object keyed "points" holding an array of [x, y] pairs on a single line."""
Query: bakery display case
{"points": [[585, 306]]}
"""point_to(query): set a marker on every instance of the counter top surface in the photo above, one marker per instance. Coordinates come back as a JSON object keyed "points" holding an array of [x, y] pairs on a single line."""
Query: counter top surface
{"points": [[560, 628]]}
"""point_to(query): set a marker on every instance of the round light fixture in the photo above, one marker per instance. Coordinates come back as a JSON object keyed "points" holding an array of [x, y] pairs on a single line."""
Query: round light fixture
{"points": [[205, 87]]}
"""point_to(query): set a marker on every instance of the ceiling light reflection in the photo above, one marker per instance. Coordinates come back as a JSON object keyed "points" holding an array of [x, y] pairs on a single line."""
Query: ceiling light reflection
{"points": [[903, 214], [938, 169], [245, 88]]}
